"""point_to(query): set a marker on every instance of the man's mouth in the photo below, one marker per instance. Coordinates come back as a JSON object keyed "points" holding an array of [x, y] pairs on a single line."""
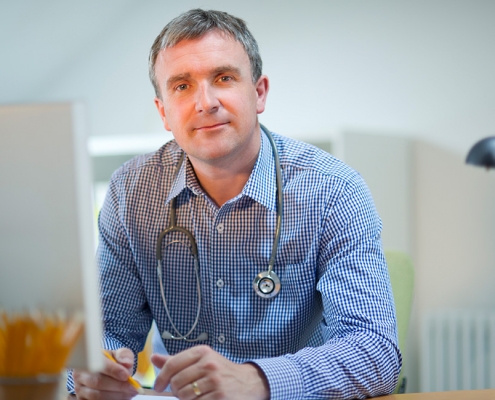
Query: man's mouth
{"points": [[211, 127]]}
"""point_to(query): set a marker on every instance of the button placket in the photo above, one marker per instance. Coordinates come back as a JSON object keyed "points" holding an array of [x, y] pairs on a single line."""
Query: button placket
{"points": [[219, 268]]}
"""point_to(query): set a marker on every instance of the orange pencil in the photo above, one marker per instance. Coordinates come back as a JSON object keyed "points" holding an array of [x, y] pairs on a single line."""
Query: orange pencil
{"points": [[131, 380]]}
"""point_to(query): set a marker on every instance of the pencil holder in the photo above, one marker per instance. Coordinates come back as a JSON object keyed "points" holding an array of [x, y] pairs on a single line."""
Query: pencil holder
{"points": [[34, 348], [41, 387]]}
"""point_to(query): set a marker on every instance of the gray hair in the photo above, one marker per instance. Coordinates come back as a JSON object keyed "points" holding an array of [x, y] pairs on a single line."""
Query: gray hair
{"points": [[194, 24]]}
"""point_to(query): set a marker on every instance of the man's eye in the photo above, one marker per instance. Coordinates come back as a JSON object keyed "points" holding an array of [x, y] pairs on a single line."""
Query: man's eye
{"points": [[182, 87], [226, 78]]}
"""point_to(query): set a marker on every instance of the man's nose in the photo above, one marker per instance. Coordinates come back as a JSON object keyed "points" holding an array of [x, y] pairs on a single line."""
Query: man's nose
{"points": [[206, 99]]}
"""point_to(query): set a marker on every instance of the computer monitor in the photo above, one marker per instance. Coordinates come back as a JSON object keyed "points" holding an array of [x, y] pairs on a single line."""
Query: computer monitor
{"points": [[47, 258]]}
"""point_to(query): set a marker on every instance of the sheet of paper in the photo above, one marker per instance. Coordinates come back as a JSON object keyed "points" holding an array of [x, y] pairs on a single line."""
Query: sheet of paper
{"points": [[148, 397]]}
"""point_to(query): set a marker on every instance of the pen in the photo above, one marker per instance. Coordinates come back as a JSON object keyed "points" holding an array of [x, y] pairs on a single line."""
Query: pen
{"points": [[131, 380]]}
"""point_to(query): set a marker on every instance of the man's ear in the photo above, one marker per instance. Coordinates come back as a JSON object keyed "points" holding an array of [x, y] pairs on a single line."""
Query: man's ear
{"points": [[161, 111], [262, 87]]}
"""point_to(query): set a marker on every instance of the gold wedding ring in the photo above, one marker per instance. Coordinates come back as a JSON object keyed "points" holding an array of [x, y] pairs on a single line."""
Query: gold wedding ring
{"points": [[195, 388]]}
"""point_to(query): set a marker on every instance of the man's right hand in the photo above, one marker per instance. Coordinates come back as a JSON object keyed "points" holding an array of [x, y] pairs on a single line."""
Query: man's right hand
{"points": [[109, 384]]}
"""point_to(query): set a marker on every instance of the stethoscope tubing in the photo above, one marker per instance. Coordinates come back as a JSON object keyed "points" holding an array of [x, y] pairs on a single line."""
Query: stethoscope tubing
{"points": [[280, 199], [269, 274]]}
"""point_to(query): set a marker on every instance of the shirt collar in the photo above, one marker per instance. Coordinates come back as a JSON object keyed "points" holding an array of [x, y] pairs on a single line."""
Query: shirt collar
{"points": [[179, 182], [261, 185]]}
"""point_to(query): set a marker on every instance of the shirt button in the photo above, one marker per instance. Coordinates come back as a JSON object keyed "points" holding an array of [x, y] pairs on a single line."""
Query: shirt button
{"points": [[220, 283], [220, 227], [221, 339]]}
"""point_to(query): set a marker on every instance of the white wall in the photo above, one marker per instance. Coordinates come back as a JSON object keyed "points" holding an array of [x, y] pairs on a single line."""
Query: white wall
{"points": [[423, 68], [385, 163], [454, 207]]}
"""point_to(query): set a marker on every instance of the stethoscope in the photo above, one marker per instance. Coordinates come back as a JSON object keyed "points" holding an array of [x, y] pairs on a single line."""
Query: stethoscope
{"points": [[266, 284]]}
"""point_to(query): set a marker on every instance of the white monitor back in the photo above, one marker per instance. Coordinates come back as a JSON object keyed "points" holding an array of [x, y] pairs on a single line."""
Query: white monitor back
{"points": [[46, 219]]}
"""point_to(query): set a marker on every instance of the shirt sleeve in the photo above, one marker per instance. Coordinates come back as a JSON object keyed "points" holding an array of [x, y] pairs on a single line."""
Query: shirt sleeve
{"points": [[125, 312], [360, 355]]}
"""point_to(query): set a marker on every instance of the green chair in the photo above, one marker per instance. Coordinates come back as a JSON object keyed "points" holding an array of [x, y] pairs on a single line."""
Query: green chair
{"points": [[401, 271]]}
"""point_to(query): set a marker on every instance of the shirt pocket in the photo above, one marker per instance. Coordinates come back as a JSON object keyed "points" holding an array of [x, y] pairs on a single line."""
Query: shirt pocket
{"points": [[278, 325]]}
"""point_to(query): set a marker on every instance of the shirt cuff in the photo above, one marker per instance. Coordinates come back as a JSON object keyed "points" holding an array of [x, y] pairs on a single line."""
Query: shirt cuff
{"points": [[70, 382], [284, 377], [110, 343], [107, 343]]}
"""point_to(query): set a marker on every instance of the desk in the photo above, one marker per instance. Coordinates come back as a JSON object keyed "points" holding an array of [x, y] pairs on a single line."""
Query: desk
{"points": [[488, 394]]}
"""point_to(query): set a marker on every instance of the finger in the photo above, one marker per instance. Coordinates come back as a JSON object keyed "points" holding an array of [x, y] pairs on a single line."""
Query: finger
{"points": [[159, 360], [175, 364], [184, 378], [86, 393], [203, 387], [124, 357], [115, 370], [102, 382]]}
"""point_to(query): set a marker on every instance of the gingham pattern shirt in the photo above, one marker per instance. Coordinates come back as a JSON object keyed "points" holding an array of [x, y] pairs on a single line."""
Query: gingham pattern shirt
{"points": [[329, 333]]}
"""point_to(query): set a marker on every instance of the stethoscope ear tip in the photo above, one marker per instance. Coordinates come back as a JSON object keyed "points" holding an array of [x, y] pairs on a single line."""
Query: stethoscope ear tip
{"points": [[167, 335]]}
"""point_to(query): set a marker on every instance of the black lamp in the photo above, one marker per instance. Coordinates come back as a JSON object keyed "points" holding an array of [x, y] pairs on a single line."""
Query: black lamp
{"points": [[483, 153]]}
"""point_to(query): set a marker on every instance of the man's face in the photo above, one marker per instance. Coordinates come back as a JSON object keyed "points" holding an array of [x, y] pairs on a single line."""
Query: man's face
{"points": [[208, 99]]}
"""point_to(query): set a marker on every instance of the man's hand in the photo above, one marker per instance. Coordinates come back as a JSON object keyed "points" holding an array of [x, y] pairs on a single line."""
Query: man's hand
{"points": [[214, 376], [111, 383]]}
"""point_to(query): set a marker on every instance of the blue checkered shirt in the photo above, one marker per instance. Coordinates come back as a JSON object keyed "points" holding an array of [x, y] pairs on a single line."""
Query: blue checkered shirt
{"points": [[329, 333]]}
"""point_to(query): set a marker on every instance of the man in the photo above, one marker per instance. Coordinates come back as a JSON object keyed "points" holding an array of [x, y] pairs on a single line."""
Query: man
{"points": [[329, 332]]}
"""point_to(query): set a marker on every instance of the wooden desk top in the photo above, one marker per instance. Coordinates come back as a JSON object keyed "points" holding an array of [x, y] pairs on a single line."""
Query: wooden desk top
{"points": [[488, 394]]}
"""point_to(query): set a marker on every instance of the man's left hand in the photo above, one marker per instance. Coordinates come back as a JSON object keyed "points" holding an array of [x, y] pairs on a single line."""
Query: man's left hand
{"points": [[202, 373]]}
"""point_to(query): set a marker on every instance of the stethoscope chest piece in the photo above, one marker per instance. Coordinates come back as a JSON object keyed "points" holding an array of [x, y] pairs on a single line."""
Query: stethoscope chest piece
{"points": [[266, 284]]}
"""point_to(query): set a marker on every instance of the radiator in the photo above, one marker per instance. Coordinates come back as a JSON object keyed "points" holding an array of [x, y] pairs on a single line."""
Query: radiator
{"points": [[457, 351]]}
